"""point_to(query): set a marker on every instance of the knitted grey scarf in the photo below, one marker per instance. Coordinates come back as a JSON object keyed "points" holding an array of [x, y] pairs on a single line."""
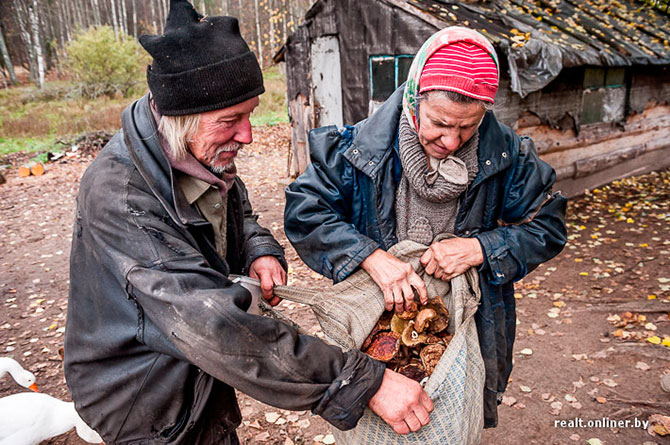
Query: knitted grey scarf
{"points": [[428, 196]]}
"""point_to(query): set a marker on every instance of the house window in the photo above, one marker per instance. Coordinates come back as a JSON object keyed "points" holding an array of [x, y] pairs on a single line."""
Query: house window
{"points": [[386, 74], [604, 98]]}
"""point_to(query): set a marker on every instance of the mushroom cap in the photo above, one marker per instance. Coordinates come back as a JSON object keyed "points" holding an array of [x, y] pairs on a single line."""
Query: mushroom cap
{"points": [[384, 346], [398, 325], [411, 338], [384, 322], [441, 321], [414, 370], [430, 355], [411, 313], [423, 318], [368, 340]]}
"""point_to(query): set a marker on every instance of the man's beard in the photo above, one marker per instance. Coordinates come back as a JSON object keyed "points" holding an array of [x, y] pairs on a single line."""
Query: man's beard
{"points": [[229, 167]]}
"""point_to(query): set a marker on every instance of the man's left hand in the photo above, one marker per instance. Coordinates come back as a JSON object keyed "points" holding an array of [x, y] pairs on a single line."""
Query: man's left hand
{"points": [[452, 257], [268, 270]]}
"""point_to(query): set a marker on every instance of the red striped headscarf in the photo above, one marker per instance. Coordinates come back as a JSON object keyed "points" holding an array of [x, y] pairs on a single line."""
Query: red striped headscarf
{"points": [[454, 59]]}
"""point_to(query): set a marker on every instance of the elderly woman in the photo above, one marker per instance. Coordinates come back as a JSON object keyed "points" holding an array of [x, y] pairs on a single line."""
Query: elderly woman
{"points": [[433, 159]]}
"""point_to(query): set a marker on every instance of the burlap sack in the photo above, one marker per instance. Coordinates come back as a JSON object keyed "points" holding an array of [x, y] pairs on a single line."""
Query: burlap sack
{"points": [[348, 311]]}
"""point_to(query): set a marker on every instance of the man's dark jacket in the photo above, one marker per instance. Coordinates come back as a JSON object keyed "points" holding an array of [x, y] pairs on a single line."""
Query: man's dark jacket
{"points": [[343, 208], [157, 335]]}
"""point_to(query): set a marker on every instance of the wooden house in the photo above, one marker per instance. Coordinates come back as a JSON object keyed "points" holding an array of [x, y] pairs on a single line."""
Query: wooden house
{"points": [[588, 80]]}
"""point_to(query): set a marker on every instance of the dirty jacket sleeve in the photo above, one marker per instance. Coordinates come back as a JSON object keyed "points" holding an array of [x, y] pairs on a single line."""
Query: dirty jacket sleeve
{"points": [[320, 204], [531, 223], [258, 241], [203, 314]]}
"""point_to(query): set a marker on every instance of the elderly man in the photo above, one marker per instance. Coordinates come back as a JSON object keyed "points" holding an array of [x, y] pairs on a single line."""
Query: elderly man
{"points": [[432, 160], [157, 335]]}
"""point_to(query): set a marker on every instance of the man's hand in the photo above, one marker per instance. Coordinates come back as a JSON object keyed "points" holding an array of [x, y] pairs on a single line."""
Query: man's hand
{"points": [[402, 403], [269, 271], [396, 279], [452, 257]]}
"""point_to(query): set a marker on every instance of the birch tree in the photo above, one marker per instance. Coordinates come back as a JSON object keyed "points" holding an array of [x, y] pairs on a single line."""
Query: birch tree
{"points": [[33, 12], [5, 57], [259, 40], [115, 23], [135, 18], [21, 14]]}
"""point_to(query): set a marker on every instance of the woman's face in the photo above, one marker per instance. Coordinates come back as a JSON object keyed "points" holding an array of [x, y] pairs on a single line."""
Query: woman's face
{"points": [[445, 126]]}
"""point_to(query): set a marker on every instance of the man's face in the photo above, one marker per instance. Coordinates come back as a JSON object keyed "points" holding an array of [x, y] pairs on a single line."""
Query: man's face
{"points": [[445, 126], [221, 134]]}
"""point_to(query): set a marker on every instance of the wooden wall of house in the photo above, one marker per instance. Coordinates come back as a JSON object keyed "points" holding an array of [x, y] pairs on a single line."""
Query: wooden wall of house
{"points": [[595, 154]]}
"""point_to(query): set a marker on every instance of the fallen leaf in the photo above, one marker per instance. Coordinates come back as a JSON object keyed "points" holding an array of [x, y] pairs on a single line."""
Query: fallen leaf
{"points": [[329, 439], [318, 438], [642, 366], [570, 398], [595, 441], [261, 437], [654, 340], [526, 351], [525, 388], [508, 400], [580, 356], [609, 382], [574, 437], [272, 417], [601, 399]]}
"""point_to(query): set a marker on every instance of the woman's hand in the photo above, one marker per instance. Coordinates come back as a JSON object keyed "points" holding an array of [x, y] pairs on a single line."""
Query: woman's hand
{"points": [[452, 257], [396, 279]]}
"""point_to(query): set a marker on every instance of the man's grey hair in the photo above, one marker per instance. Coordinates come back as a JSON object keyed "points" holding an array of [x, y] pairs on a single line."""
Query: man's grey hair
{"points": [[178, 131], [452, 96]]}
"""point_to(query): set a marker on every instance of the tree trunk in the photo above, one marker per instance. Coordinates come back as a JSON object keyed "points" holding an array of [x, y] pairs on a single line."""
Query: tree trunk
{"points": [[273, 16], [259, 41], [153, 17], [284, 19], [35, 26], [135, 19], [124, 15], [203, 7], [96, 13], [66, 19], [21, 13], [225, 8], [161, 16], [115, 23], [5, 57]]}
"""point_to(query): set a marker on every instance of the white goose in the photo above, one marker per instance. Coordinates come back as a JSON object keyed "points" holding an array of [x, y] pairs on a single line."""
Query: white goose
{"points": [[28, 418], [20, 375]]}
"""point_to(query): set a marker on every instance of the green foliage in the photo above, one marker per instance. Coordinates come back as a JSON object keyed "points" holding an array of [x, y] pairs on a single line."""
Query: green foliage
{"points": [[104, 64], [12, 145], [272, 109]]}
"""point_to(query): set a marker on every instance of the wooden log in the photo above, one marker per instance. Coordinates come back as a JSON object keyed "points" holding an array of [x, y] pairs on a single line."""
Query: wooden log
{"points": [[24, 171], [37, 169]]}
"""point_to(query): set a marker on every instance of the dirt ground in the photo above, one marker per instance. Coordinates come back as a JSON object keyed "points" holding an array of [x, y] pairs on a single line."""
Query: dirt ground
{"points": [[590, 336]]}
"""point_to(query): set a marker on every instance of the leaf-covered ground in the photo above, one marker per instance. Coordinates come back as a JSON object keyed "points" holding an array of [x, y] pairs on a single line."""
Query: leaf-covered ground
{"points": [[593, 336]]}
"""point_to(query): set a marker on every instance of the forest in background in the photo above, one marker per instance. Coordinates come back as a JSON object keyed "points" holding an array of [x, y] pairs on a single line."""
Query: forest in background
{"points": [[35, 33]]}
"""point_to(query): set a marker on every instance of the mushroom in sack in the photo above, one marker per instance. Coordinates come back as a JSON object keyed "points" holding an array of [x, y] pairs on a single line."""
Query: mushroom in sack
{"points": [[411, 342]]}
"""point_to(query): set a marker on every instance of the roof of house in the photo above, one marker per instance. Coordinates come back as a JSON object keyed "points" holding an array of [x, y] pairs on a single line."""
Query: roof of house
{"points": [[541, 37]]}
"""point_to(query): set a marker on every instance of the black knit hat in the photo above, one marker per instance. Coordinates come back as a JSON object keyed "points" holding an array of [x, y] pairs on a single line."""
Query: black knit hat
{"points": [[200, 63]]}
